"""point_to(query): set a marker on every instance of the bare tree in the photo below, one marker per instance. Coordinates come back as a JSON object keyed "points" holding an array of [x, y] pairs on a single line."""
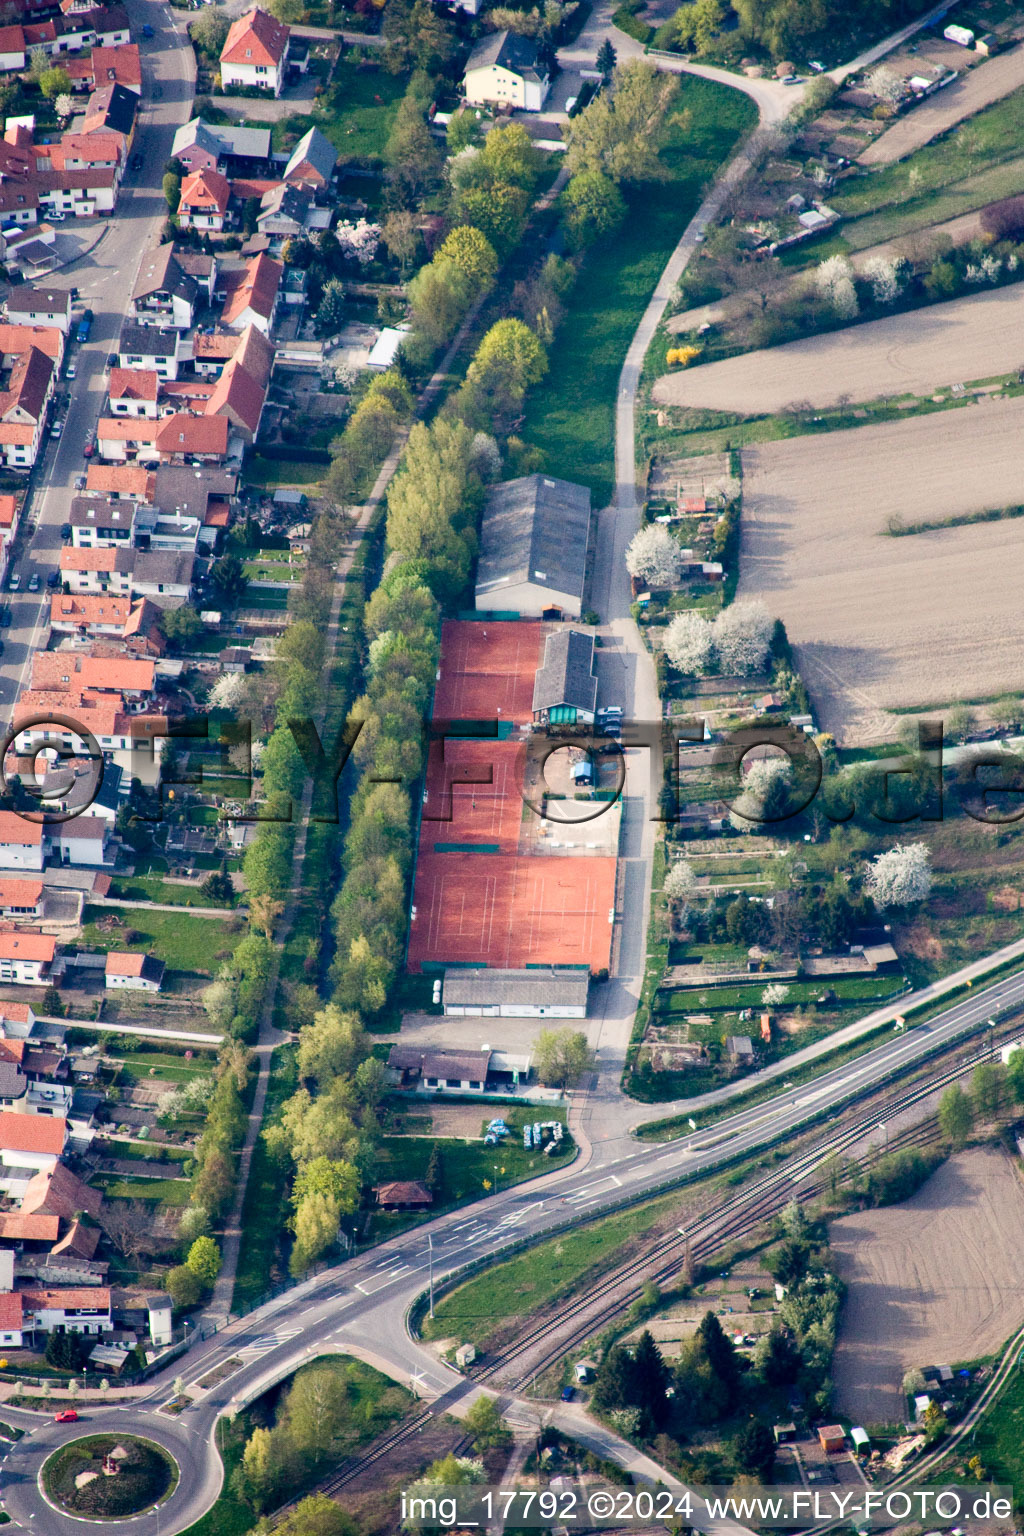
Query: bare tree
{"points": [[129, 1225]]}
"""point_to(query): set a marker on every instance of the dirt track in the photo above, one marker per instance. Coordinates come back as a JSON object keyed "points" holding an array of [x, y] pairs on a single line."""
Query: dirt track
{"points": [[980, 87], [931, 1282], [970, 338], [878, 621]]}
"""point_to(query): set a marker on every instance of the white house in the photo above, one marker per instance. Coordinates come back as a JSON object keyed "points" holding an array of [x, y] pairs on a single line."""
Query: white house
{"points": [[254, 52], [505, 70], [21, 842], [40, 306], [83, 839], [66, 1309], [25, 958], [133, 973], [556, 992], [153, 348], [29, 1144]]}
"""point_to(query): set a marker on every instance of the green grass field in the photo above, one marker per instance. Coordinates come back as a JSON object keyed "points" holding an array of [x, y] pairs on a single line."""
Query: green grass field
{"points": [[162, 1191], [521, 1285], [570, 416], [355, 113], [183, 943], [999, 1437]]}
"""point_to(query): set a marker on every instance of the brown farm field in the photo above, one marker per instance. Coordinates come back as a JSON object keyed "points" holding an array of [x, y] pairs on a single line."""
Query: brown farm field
{"points": [[966, 339], [934, 1281], [977, 88], [880, 622]]}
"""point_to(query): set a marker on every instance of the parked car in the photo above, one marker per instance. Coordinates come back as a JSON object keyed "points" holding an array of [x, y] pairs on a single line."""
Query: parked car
{"points": [[136, 161], [65, 528], [79, 486], [84, 326], [74, 294], [53, 579], [147, 30], [112, 360], [5, 618], [72, 370], [89, 450], [56, 429], [66, 1416], [568, 1393], [14, 584], [33, 582]]}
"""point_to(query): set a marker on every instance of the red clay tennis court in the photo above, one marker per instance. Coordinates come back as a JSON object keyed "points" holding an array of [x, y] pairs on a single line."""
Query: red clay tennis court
{"points": [[461, 807], [507, 911], [487, 670]]}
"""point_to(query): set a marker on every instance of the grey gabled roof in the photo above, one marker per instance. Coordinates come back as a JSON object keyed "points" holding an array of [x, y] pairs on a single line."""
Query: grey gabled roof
{"points": [[161, 273], [223, 139], [318, 150], [147, 340], [567, 673], [534, 529], [285, 202], [509, 51], [480, 986]]}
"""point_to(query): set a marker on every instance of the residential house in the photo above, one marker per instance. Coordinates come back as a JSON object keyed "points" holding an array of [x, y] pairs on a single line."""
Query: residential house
{"points": [[24, 403], [66, 1309], [29, 1145], [51, 307], [121, 438], [59, 1192], [132, 678], [117, 66], [133, 392], [95, 522], [165, 576], [252, 295], [534, 541], [165, 294], [403, 1195], [312, 161], [12, 48], [433, 1069], [565, 688], [505, 70], [240, 392], [71, 615], [133, 973], [204, 200], [85, 840], [106, 569], [112, 109], [225, 147], [284, 211], [154, 348], [181, 438], [21, 842], [25, 958], [21, 898], [254, 52], [211, 353]]}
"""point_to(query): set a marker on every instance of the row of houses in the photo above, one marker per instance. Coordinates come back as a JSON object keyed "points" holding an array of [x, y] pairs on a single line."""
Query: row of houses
{"points": [[77, 175], [214, 201]]}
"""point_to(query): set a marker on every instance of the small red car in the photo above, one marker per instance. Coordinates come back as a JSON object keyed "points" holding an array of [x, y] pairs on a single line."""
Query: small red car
{"points": [[66, 1416]]}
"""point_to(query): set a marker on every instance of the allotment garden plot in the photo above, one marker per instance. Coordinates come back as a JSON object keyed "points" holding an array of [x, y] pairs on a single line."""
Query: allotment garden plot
{"points": [[880, 622]]}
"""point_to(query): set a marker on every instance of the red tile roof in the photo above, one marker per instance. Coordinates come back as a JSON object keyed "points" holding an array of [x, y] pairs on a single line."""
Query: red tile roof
{"points": [[16, 1227], [255, 38], [102, 559], [10, 1311], [32, 1133], [121, 64], [20, 893], [126, 479], [204, 190], [15, 829], [47, 1299], [28, 946], [192, 434], [133, 384], [121, 963], [255, 288], [60, 1192], [19, 338], [86, 609]]}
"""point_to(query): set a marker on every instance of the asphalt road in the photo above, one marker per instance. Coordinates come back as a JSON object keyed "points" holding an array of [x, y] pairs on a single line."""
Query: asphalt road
{"points": [[105, 278], [360, 1307]]}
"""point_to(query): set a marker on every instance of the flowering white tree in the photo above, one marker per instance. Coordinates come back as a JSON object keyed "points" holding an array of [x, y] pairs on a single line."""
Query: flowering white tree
{"points": [[765, 793], [679, 881], [886, 85], [774, 994], [899, 876], [884, 274], [654, 555], [227, 690], [834, 281], [743, 635], [64, 104], [485, 456], [689, 643], [359, 240]]}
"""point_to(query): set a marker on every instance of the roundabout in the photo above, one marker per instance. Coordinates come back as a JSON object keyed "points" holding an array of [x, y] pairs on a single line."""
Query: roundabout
{"points": [[108, 1477]]}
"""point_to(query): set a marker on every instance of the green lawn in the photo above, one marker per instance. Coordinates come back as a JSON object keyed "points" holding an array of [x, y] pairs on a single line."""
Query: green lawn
{"points": [[355, 113], [183, 943], [471, 1169], [269, 474], [571, 414], [553, 1268], [229, 1516], [163, 1191], [263, 1209]]}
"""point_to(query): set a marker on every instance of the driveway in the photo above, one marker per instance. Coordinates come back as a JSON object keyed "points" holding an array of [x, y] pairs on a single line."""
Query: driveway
{"points": [[297, 99]]}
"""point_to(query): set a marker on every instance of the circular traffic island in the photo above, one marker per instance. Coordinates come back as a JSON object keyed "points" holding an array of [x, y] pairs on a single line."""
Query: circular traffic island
{"points": [[108, 1477]]}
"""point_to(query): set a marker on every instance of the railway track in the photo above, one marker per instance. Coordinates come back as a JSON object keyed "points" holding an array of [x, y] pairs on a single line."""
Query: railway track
{"points": [[607, 1298]]}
